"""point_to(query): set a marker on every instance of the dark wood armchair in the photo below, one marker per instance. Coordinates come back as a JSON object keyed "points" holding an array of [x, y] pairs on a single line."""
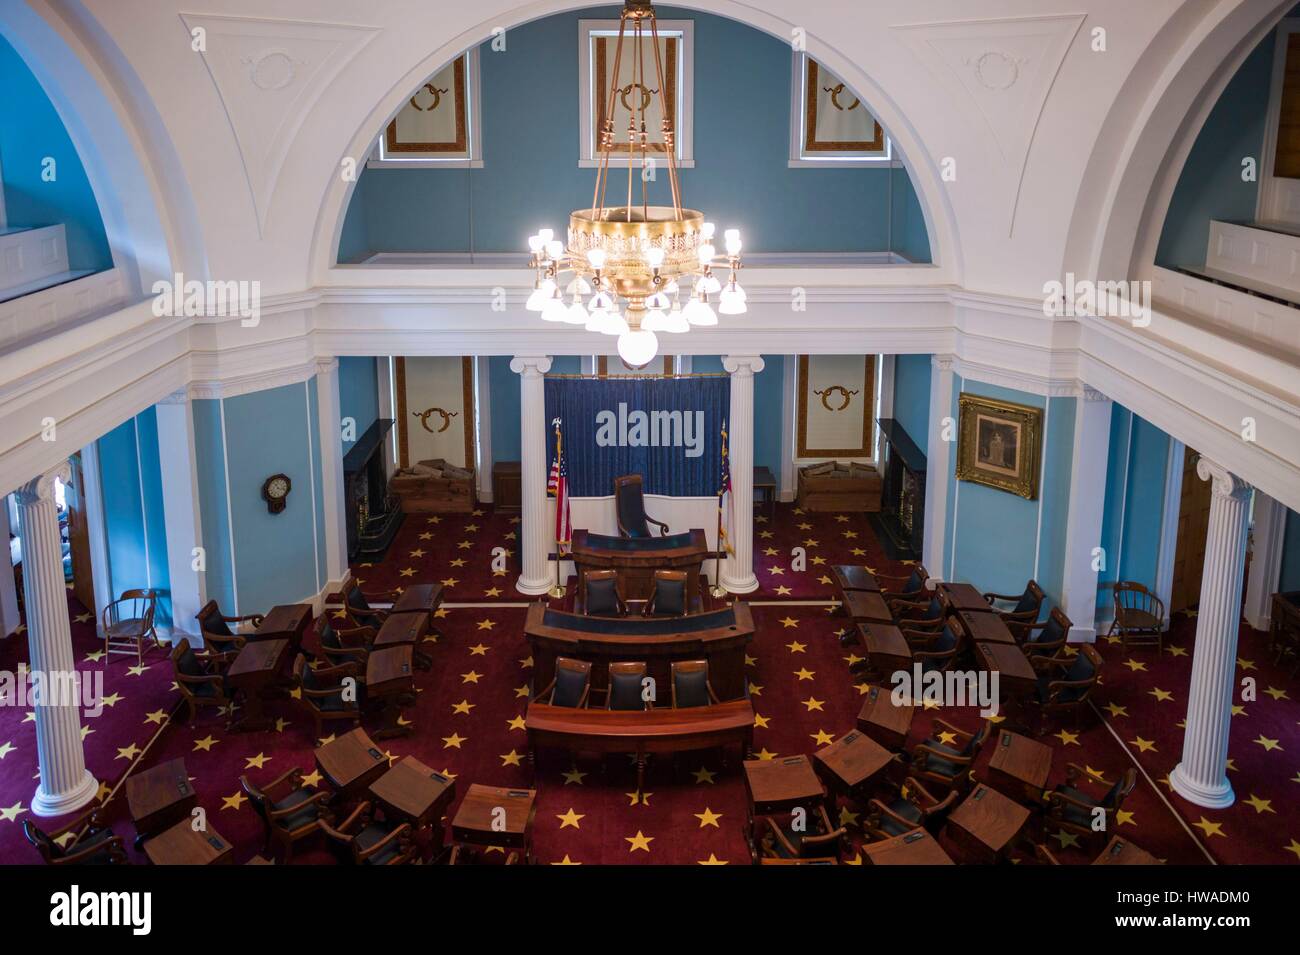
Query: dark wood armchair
{"points": [[1065, 682], [343, 645], [571, 685], [941, 650], [1044, 855], [913, 807], [910, 589], [775, 837], [945, 764], [357, 604], [668, 595], [1025, 606], [1044, 639], [601, 594], [199, 679], [926, 616], [1139, 615], [363, 840], [289, 810], [213, 622], [690, 684], [1087, 804], [329, 693], [629, 508], [626, 690], [128, 622], [93, 842]]}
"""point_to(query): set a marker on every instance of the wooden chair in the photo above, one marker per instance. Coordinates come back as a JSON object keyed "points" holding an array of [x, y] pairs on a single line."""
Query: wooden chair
{"points": [[626, 690], [629, 508], [94, 842], [199, 679], [570, 686], [949, 765], [363, 840], [920, 616], [1044, 855], [222, 643], [914, 807], [289, 810], [668, 595], [601, 595], [775, 837], [128, 622], [1072, 808], [1139, 615], [938, 651], [357, 604], [1284, 628], [1044, 639], [690, 684], [324, 692], [910, 588], [343, 645], [1065, 682], [1025, 606]]}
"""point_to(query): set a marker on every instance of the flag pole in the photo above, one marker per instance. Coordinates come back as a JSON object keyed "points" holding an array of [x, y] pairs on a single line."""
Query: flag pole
{"points": [[718, 591], [557, 591]]}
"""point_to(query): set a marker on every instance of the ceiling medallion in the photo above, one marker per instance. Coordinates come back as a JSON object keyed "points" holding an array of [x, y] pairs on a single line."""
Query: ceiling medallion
{"points": [[637, 253]]}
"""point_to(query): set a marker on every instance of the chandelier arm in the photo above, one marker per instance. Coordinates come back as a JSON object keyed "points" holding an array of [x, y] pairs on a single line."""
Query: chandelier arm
{"points": [[640, 65], [670, 145], [602, 170], [631, 124]]}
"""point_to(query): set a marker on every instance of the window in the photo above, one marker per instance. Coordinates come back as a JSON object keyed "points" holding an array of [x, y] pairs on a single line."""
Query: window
{"points": [[439, 125], [829, 125], [597, 43]]}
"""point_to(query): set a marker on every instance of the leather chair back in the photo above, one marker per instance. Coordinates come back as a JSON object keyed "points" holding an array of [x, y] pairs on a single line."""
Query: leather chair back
{"points": [[690, 683], [211, 621], [629, 506], [625, 687]]}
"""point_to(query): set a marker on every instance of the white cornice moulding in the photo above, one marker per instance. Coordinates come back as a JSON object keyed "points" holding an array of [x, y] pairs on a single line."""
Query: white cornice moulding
{"points": [[248, 384]]}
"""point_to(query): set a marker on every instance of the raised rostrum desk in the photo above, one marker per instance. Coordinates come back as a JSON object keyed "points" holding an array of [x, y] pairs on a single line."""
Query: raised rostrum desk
{"points": [[637, 559], [719, 636]]}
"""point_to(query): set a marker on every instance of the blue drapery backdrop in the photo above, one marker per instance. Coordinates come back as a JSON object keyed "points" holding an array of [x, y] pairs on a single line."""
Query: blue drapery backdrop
{"points": [[668, 430]]}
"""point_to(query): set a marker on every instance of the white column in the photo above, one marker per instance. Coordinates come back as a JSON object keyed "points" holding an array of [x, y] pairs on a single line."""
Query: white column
{"points": [[536, 534], [65, 784], [1169, 526], [330, 436], [1201, 776], [1086, 511], [387, 409], [483, 425], [790, 382], [886, 409], [8, 584], [1266, 560], [940, 444], [181, 515], [738, 569]]}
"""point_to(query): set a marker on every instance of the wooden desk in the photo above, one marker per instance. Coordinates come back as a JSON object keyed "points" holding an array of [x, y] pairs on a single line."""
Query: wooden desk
{"points": [[285, 622], [350, 763], [412, 792], [987, 823], [1020, 766], [159, 797], [419, 598], [719, 636], [985, 627], [639, 732], [181, 845], [1016, 675], [1122, 852], [782, 784], [853, 577], [865, 606], [390, 678], [255, 668], [965, 597], [886, 648], [765, 484], [917, 847], [636, 560], [884, 722], [851, 762], [476, 819], [405, 629]]}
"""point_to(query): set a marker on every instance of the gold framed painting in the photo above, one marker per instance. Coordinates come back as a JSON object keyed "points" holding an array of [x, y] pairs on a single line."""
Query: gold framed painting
{"points": [[432, 122], [1000, 445], [836, 121], [636, 100]]}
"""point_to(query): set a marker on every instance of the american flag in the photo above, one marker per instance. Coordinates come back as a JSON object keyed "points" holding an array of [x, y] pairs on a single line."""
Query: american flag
{"points": [[725, 497], [557, 485]]}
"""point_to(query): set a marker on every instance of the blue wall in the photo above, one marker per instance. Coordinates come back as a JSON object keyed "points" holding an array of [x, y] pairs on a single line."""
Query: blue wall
{"points": [[769, 395], [912, 396], [1290, 578], [358, 393], [131, 486], [30, 130], [1210, 185], [1135, 499], [530, 152]]}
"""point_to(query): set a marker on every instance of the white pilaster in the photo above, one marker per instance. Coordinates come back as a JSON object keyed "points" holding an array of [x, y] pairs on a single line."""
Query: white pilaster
{"points": [[101, 568], [9, 619], [886, 410], [535, 531], [483, 425], [1086, 511], [384, 375], [790, 382], [940, 444], [330, 413], [182, 519], [1169, 525], [1265, 561], [738, 569], [65, 784], [1201, 776]]}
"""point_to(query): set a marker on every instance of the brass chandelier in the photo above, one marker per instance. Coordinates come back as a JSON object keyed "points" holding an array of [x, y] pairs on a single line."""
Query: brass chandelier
{"points": [[638, 253]]}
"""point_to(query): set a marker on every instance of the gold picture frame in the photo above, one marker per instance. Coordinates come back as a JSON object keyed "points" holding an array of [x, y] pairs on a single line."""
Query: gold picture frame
{"points": [[1000, 445], [811, 97], [427, 97], [602, 82]]}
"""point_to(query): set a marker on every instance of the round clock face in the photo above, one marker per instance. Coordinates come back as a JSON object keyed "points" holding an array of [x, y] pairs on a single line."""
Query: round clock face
{"points": [[277, 488]]}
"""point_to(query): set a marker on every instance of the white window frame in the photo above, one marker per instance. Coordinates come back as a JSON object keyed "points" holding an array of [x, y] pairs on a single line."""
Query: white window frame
{"points": [[379, 158], [684, 122], [845, 160]]}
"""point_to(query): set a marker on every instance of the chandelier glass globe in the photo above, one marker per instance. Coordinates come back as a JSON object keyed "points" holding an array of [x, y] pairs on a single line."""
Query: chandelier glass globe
{"points": [[638, 347]]}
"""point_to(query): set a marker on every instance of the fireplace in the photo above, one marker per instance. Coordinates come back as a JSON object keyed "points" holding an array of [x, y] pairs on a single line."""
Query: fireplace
{"points": [[373, 515], [901, 521]]}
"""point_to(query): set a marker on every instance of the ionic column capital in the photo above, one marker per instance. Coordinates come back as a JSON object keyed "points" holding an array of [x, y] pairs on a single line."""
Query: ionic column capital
{"points": [[1225, 483], [42, 488], [942, 362], [530, 366], [1092, 394], [327, 366], [743, 366]]}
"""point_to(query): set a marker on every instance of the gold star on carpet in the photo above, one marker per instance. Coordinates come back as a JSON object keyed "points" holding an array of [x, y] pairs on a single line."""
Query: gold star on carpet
{"points": [[1116, 710], [526, 662], [1144, 745], [496, 592], [95, 657], [312, 779], [465, 545], [1124, 817], [639, 797], [1245, 664], [434, 520], [86, 731], [639, 841], [708, 818], [450, 582], [783, 591], [522, 692], [256, 762], [478, 650], [848, 818], [511, 759], [426, 536], [1176, 651], [796, 647], [1268, 744], [12, 813], [566, 861], [853, 660], [948, 738], [112, 699], [823, 579], [570, 818], [822, 737], [755, 690], [464, 706], [804, 674], [704, 775], [789, 622], [849, 535], [764, 753], [575, 775], [205, 744], [714, 860], [1293, 847], [138, 669], [776, 571], [1163, 696], [6, 748], [1210, 828], [1066, 838], [406, 572], [1277, 694], [233, 802], [770, 552], [1135, 665], [813, 704], [471, 677], [858, 552], [765, 534], [1067, 738], [1238, 710], [453, 741], [486, 624], [761, 722], [516, 724], [1260, 805]]}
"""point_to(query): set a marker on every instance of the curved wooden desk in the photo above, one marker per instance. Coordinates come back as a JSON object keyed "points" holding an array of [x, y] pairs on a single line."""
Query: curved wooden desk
{"points": [[640, 731], [719, 636], [637, 559]]}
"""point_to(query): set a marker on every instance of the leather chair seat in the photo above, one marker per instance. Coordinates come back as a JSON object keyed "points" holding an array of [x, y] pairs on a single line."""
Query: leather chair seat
{"points": [[331, 704], [310, 812], [368, 836], [1072, 813], [905, 809], [100, 839]]}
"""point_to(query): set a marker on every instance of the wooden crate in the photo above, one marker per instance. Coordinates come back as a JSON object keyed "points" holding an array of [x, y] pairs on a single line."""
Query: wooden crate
{"points": [[820, 493]]}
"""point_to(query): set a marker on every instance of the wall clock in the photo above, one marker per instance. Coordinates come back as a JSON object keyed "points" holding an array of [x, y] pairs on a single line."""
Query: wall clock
{"points": [[275, 491]]}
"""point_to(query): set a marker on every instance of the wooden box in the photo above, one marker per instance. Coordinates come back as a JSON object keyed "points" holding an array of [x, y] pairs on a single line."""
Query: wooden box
{"points": [[846, 488]]}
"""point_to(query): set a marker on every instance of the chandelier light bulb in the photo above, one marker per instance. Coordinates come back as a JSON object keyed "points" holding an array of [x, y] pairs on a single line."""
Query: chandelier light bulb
{"points": [[706, 231], [655, 256], [546, 235], [597, 259], [535, 244], [707, 252], [638, 348], [733, 242], [555, 250]]}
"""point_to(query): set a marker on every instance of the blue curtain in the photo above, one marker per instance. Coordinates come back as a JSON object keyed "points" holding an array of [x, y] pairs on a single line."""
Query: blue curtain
{"points": [[668, 430]]}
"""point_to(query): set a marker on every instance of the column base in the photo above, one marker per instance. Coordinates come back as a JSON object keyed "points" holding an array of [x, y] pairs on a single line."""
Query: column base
{"points": [[535, 588], [57, 804], [744, 585], [1219, 796], [1082, 635]]}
